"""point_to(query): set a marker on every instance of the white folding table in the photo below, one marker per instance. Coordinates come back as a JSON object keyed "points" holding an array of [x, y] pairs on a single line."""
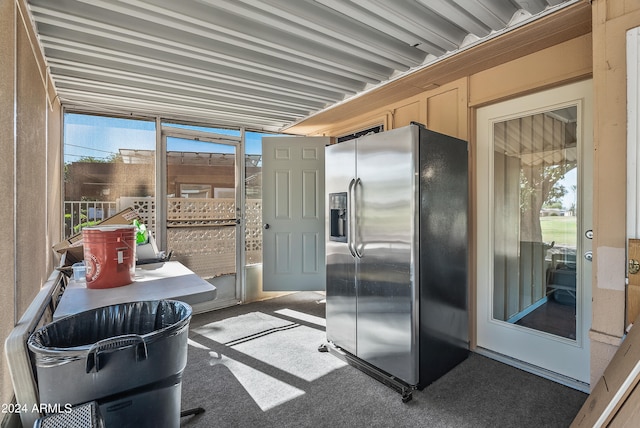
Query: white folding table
{"points": [[159, 281]]}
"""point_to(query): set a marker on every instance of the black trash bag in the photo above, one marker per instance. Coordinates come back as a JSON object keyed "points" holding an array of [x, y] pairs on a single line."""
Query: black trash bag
{"points": [[134, 352]]}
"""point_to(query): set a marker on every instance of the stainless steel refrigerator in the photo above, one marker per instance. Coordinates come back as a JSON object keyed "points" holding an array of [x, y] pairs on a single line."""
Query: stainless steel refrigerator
{"points": [[396, 253]]}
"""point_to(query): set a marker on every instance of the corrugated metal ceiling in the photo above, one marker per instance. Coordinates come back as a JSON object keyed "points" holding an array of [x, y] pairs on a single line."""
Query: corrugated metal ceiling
{"points": [[258, 64]]}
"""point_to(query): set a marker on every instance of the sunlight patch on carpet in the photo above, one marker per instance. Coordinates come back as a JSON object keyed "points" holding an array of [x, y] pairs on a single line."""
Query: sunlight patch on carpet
{"points": [[294, 351], [197, 345], [242, 327], [311, 319], [267, 391], [285, 345]]}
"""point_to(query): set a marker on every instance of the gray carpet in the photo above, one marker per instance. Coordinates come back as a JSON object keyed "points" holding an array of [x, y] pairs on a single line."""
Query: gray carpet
{"points": [[257, 365]]}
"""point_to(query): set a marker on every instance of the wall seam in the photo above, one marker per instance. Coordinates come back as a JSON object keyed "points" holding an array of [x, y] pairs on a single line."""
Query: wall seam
{"points": [[46, 173], [15, 163], [61, 149]]}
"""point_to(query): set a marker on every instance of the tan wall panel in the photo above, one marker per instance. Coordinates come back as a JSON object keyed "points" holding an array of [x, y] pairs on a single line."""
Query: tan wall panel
{"points": [[24, 22], [611, 20], [7, 250], [443, 114], [54, 178], [609, 160], [449, 104], [567, 61], [404, 115], [31, 166], [617, 9]]}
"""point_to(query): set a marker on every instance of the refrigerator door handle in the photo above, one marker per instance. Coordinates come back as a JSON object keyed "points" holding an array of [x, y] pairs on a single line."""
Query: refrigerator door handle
{"points": [[357, 245], [350, 218]]}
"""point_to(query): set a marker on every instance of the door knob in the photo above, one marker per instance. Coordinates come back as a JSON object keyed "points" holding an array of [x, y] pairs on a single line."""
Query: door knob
{"points": [[588, 255], [266, 226]]}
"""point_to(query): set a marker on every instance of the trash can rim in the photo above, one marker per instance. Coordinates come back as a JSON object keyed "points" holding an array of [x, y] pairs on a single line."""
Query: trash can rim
{"points": [[36, 346]]}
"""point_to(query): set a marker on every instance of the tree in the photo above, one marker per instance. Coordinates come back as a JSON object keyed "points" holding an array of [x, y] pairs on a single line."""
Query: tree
{"points": [[539, 186]]}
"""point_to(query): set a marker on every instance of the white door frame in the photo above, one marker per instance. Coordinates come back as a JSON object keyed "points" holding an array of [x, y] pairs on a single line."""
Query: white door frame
{"points": [[161, 195], [563, 360]]}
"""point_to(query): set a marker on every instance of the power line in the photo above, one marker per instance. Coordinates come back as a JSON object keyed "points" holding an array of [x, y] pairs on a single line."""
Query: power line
{"points": [[91, 148], [85, 156]]}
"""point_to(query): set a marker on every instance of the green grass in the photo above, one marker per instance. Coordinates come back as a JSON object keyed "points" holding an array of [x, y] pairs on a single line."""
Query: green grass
{"points": [[562, 230]]}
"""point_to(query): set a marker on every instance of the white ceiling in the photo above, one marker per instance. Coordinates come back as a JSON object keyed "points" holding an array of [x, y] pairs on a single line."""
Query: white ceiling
{"points": [[258, 64]]}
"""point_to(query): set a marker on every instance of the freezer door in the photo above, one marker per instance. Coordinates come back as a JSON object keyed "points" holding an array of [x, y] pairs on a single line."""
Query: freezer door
{"points": [[385, 242], [444, 241], [340, 174]]}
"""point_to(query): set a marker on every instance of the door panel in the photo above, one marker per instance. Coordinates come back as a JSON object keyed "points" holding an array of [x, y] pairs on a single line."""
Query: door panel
{"points": [[283, 195], [534, 204], [283, 253], [310, 195], [293, 207], [310, 245]]}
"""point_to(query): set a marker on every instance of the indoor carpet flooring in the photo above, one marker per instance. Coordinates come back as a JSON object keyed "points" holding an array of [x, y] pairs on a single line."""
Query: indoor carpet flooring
{"points": [[257, 365]]}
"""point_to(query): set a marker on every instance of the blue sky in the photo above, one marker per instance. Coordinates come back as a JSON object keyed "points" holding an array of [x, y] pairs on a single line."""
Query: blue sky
{"points": [[102, 137], [570, 179]]}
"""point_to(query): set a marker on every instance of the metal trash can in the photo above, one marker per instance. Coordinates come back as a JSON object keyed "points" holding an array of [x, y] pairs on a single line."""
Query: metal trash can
{"points": [[128, 357]]}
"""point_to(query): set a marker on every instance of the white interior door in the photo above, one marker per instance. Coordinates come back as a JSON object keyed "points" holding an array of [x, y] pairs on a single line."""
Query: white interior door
{"points": [[534, 209], [293, 213]]}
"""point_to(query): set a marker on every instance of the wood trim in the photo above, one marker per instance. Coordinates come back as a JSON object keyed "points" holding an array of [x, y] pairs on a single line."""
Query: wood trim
{"points": [[358, 124]]}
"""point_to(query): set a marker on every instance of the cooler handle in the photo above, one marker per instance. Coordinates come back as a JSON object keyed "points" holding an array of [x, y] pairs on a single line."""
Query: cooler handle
{"points": [[113, 344]]}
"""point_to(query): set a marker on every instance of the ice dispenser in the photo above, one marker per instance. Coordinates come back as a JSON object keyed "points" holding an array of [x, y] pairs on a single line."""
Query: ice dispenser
{"points": [[338, 215]]}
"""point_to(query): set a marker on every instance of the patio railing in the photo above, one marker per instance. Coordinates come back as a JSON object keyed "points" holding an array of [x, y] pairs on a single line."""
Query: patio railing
{"points": [[194, 234], [78, 214]]}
